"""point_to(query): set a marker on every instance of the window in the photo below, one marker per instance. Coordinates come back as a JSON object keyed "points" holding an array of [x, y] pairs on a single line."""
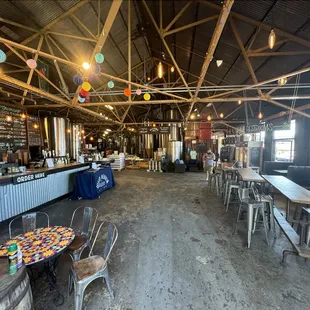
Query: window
{"points": [[284, 144]]}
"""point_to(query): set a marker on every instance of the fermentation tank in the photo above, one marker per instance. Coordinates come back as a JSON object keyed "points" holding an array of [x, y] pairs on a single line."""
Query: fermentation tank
{"points": [[55, 134], [74, 140], [149, 145], [175, 144]]}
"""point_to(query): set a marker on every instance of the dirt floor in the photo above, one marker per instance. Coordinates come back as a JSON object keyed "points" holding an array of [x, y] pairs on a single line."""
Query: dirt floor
{"points": [[176, 250]]}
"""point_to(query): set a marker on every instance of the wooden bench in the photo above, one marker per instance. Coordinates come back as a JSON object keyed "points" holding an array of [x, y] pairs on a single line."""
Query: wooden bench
{"points": [[292, 236]]}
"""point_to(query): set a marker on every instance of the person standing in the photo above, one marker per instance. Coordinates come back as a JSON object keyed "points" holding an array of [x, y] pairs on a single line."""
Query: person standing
{"points": [[193, 154], [209, 161]]}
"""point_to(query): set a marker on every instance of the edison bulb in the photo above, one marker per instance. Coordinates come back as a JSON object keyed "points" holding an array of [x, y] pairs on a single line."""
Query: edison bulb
{"points": [[160, 70], [86, 65], [221, 115], [260, 115], [272, 39]]}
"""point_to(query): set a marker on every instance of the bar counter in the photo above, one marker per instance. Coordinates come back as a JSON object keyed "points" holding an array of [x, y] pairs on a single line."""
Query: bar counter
{"points": [[20, 192]]}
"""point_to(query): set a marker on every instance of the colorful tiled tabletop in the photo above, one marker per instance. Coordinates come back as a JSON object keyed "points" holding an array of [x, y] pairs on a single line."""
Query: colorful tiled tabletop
{"points": [[42, 243]]}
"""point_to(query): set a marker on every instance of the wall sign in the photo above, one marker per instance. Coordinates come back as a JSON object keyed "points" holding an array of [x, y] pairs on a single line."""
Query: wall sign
{"points": [[258, 127], [13, 128], [154, 130], [28, 177]]}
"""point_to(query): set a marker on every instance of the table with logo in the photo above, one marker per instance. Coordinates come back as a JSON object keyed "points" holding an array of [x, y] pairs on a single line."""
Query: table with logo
{"points": [[91, 183]]}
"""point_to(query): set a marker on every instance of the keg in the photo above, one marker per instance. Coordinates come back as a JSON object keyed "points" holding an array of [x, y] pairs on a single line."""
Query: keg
{"points": [[15, 290]]}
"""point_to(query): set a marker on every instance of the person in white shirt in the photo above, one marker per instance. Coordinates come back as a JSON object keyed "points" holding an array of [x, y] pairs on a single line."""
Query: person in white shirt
{"points": [[209, 161], [193, 154]]}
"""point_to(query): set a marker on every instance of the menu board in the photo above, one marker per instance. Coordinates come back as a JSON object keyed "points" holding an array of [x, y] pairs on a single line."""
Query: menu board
{"points": [[13, 128], [34, 134]]}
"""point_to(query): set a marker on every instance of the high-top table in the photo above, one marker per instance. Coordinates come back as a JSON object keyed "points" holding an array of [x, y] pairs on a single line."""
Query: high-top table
{"points": [[292, 191], [296, 194], [249, 175]]}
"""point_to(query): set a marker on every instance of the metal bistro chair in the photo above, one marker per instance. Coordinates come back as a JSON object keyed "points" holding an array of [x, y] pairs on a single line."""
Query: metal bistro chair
{"points": [[216, 177], [29, 222], [83, 231], [231, 185], [250, 204], [86, 270], [266, 199]]}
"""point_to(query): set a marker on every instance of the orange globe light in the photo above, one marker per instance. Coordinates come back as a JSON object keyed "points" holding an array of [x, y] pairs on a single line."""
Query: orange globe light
{"points": [[147, 96], [127, 92]]}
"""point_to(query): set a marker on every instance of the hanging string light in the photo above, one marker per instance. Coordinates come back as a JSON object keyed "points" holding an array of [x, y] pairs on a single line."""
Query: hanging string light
{"points": [[272, 39], [260, 114], [172, 69], [160, 70], [282, 81]]}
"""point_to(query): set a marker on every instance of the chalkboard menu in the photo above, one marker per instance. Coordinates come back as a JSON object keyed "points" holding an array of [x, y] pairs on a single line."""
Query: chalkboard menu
{"points": [[34, 135], [13, 128]]}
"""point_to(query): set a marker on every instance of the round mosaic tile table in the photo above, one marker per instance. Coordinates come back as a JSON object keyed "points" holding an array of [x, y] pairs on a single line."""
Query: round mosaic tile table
{"points": [[41, 244]]}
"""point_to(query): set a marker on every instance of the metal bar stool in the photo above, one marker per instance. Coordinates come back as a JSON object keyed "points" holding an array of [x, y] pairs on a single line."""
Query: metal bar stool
{"points": [[216, 177], [251, 206], [230, 186]]}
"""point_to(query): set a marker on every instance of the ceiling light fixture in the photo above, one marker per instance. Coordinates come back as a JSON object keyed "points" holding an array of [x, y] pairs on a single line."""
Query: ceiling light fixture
{"points": [[272, 39], [282, 81], [91, 138], [239, 101], [260, 115], [198, 115], [172, 69], [221, 115], [108, 129], [209, 118], [192, 116], [86, 65], [160, 70], [219, 63]]}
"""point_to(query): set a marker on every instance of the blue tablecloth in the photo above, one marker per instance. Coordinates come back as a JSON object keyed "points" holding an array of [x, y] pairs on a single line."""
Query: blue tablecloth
{"points": [[89, 185]]}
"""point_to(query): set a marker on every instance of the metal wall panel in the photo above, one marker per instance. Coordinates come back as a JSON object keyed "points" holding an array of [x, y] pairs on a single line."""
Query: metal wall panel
{"points": [[16, 199]]}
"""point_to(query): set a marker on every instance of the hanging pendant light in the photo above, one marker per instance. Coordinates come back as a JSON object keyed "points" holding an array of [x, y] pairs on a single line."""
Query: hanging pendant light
{"points": [[160, 70], [239, 101], [172, 69], [209, 118], [221, 115], [260, 114], [282, 81], [219, 62], [272, 39]]}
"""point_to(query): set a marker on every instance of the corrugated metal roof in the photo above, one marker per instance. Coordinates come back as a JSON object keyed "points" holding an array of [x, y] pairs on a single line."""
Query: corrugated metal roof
{"points": [[292, 16]]}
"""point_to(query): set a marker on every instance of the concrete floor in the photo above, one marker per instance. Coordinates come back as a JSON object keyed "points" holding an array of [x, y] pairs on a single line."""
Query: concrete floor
{"points": [[176, 251]]}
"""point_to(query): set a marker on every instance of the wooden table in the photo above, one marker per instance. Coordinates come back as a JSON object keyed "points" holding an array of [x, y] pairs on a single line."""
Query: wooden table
{"points": [[289, 189], [296, 194], [281, 171], [249, 175]]}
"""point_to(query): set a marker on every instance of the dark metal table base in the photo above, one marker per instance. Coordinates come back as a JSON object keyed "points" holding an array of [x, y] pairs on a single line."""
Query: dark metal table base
{"points": [[48, 270]]}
